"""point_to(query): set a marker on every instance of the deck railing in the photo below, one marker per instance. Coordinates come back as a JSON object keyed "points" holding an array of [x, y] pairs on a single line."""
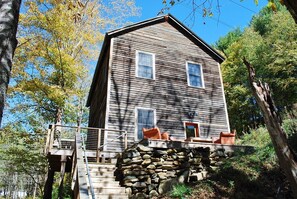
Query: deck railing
{"points": [[86, 142], [96, 139]]}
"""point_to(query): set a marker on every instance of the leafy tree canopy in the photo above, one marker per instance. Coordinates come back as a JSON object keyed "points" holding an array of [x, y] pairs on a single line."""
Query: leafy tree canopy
{"points": [[269, 43]]}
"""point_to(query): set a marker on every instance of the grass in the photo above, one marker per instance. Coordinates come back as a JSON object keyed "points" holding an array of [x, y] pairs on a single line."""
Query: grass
{"points": [[180, 191], [245, 176]]}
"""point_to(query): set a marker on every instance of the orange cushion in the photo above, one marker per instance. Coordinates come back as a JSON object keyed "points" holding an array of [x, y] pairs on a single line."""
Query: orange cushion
{"points": [[153, 133], [165, 136], [227, 134], [227, 138]]}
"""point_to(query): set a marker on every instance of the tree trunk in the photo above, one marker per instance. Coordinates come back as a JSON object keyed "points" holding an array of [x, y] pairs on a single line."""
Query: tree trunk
{"points": [[48, 187], [9, 17], [287, 158], [59, 114], [292, 7]]}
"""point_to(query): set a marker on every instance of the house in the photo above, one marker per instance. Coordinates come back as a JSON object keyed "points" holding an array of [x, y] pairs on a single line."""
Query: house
{"points": [[157, 73]]}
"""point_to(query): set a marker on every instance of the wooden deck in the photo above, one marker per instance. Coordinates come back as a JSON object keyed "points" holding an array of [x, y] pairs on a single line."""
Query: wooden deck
{"points": [[189, 145]]}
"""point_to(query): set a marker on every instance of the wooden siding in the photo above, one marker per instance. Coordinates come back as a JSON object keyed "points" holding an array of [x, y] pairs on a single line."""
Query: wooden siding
{"points": [[97, 112], [169, 94]]}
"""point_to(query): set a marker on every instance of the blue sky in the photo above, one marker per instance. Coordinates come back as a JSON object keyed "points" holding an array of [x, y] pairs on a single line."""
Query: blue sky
{"points": [[233, 13]]}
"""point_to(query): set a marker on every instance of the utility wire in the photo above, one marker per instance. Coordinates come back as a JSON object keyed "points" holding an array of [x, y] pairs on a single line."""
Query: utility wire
{"points": [[195, 9], [238, 4], [212, 18]]}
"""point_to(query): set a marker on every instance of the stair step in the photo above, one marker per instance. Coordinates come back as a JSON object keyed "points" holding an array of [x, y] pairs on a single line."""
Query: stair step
{"points": [[100, 183], [111, 196], [101, 165], [102, 174], [110, 190], [101, 169]]}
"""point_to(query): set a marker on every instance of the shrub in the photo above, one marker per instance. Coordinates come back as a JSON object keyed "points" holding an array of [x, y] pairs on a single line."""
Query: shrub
{"points": [[180, 191]]}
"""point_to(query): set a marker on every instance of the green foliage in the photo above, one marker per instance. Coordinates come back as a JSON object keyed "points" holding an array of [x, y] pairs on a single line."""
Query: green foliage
{"points": [[290, 127], [224, 42], [269, 44], [261, 140], [22, 158], [57, 41], [67, 193], [180, 191], [248, 175]]}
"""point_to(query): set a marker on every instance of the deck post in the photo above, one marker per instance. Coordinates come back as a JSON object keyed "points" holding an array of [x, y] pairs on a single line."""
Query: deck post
{"points": [[98, 145], [62, 173], [53, 127], [48, 187], [47, 145]]}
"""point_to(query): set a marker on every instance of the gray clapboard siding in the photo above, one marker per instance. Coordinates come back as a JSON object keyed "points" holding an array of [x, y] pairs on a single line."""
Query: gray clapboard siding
{"points": [[169, 91], [168, 94]]}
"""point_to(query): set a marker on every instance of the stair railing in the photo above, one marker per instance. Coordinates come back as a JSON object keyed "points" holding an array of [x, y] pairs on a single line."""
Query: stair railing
{"points": [[87, 167], [100, 147], [79, 174]]}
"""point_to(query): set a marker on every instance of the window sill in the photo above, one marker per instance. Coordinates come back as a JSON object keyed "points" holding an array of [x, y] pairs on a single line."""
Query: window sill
{"points": [[196, 87], [145, 78]]}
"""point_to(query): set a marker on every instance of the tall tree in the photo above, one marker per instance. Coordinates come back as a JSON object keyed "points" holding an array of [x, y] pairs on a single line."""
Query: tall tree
{"points": [[9, 16], [57, 40], [271, 55]]}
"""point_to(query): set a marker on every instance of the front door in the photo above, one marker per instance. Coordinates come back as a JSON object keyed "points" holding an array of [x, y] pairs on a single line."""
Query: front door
{"points": [[192, 129]]}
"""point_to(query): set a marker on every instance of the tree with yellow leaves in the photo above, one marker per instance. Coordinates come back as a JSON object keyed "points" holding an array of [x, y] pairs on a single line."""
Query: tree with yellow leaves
{"points": [[57, 39]]}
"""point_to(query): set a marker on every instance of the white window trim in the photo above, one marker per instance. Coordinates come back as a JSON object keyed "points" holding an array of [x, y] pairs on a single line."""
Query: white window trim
{"points": [[136, 120], [136, 68], [185, 130], [201, 72]]}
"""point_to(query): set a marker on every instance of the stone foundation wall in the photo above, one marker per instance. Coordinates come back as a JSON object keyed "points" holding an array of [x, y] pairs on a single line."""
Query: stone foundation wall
{"points": [[147, 171]]}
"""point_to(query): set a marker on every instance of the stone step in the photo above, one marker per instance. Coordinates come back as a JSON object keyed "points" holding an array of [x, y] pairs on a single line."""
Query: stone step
{"points": [[110, 190], [111, 196]]}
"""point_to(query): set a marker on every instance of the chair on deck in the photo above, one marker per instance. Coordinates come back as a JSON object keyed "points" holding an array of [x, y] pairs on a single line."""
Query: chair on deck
{"points": [[154, 133], [226, 138]]}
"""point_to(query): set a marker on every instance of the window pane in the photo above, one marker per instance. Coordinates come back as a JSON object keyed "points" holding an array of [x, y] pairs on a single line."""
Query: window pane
{"points": [[145, 65], [145, 119], [145, 59], [145, 71], [194, 69], [195, 81], [194, 74]]}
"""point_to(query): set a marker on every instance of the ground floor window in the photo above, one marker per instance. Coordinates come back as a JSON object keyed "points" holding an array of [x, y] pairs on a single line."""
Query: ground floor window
{"points": [[192, 129], [145, 118]]}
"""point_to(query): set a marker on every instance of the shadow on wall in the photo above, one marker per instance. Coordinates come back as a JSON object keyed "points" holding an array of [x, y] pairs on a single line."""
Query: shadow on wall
{"points": [[119, 95]]}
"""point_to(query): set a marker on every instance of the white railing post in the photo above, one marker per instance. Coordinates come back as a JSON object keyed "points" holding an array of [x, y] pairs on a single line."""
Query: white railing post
{"points": [[52, 137], [98, 146], [126, 140], [47, 144]]}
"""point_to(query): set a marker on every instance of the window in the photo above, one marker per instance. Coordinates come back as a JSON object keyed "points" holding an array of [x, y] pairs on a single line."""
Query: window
{"points": [[192, 129], [145, 119], [145, 66], [195, 76]]}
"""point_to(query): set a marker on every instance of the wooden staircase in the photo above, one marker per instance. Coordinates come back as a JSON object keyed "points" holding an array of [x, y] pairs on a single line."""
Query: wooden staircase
{"points": [[104, 183]]}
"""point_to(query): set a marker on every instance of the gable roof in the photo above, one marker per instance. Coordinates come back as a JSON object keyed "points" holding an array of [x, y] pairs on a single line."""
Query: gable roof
{"points": [[171, 20]]}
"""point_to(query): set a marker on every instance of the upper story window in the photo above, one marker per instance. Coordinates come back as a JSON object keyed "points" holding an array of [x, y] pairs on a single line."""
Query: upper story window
{"points": [[145, 65], [195, 75]]}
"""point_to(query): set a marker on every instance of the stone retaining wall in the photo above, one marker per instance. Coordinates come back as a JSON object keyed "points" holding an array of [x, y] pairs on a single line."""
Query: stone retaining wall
{"points": [[148, 171]]}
